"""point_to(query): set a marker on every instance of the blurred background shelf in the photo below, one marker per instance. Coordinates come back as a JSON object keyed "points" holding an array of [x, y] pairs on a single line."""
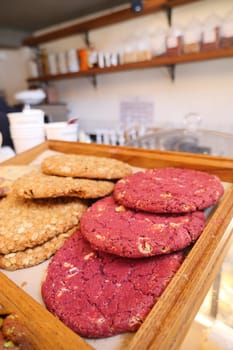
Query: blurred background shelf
{"points": [[169, 61]]}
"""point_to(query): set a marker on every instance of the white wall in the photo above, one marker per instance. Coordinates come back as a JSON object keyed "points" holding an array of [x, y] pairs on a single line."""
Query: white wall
{"points": [[13, 71], [203, 87]]}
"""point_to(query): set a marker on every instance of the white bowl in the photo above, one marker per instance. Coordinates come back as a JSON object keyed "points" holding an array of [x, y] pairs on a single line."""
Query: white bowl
{"points": [[31, 97]]}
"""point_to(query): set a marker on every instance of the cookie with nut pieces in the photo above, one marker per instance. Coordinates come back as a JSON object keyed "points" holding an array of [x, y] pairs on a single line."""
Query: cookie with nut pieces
{"points": [[5, 186], [98, 294], [169, 190], [26, 223], [34, 256], [118, 230], [8, 173], [39, 185], [85, 166]]}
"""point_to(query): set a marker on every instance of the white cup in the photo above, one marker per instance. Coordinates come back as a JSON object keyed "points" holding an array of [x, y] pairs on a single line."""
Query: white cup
{"points": [[61, 131]]}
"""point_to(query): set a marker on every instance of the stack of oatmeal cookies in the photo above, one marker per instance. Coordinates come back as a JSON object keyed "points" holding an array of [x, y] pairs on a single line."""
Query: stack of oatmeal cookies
{"points": [[43, 206]]}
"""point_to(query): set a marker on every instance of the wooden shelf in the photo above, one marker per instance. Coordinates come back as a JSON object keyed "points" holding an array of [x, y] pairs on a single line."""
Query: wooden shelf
{"points": [[155, 62], [149, 6]]}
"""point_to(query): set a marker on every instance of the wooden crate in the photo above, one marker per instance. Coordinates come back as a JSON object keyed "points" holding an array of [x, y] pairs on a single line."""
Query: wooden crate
{"points": [[169, 320]]}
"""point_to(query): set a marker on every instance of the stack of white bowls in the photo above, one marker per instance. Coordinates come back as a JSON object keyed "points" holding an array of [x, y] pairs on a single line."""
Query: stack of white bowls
{"points": [[27, 129]]}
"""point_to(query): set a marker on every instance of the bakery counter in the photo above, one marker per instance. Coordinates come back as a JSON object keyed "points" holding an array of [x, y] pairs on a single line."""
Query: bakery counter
{"points": [[173, 314]]}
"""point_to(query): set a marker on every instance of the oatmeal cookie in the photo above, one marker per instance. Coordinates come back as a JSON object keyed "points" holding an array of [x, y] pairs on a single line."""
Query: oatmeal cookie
{"points": [[33, 256], [85, 166], [39, 185], [26, 223]]}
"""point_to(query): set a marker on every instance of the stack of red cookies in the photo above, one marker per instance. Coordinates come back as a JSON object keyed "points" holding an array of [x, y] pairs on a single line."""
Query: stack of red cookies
{"points": [[130, 245]]}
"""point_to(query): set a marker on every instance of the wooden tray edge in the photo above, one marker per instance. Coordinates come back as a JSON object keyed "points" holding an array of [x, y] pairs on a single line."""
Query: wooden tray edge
{"points": [[160, 327]]}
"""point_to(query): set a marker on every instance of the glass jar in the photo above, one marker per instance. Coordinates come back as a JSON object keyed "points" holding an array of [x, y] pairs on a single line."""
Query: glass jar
{"points": [[226, 31], [92, 58], [130, 50], [72, 61], [33, 70], [62, 63], [44, 61], [143, 48], [211, 33], [192, 37], [174, 41], [52, 63], [158, 42]]}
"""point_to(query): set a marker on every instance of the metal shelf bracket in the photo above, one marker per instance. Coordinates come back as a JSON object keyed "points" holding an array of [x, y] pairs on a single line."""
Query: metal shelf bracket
{"points": [[87, 38], [168, 11], [94, 81], [171, 71]]}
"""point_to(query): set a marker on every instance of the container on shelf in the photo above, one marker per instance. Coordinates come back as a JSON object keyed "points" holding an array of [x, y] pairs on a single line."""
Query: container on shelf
{"points": [[192, 37], [111, 58], [226, 31], [158, 42], [92, 58], [44, 61], [130, 50], [107, 59], [33, 68], [211, 33], [52, 63], [72, 61], [143, 48], [100, 59], [174, 41], [114, 58], [62, 63], [38, 59], [83, 55]]}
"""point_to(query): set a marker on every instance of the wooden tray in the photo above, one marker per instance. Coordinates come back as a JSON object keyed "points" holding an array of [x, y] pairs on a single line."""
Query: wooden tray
{"points": [[171, 317]]}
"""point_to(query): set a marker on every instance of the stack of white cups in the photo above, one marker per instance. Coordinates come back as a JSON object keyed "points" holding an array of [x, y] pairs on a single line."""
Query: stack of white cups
{"points": [[27, 129]]}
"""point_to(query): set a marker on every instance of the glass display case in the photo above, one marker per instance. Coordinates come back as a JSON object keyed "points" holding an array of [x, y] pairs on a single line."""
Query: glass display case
{"points": [[190, 139]]}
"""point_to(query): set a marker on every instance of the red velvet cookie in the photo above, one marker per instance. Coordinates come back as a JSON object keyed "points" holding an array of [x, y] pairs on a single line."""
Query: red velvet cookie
{"points": [[116, 229], [169, 190], [98, 294]]}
